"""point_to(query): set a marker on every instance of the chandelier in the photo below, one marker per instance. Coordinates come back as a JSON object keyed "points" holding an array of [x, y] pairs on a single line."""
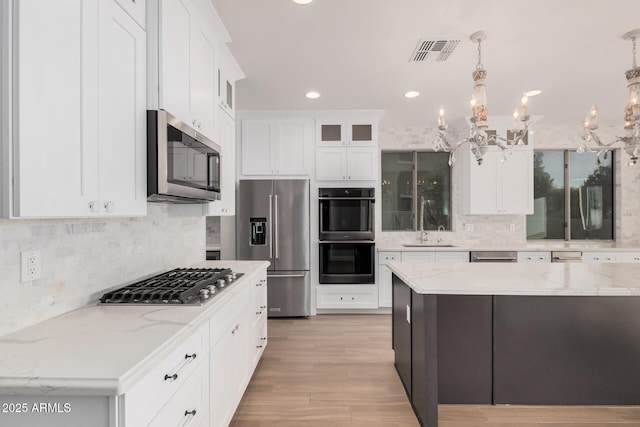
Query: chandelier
{"points": [[631, 140], [479, 141]]}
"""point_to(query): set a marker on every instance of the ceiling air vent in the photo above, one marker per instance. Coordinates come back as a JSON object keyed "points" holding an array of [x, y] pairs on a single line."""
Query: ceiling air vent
{"points": [[438, 49]]}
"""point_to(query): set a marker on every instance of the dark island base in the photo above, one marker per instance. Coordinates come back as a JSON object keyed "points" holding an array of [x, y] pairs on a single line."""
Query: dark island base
{"points": [[532, 350]]}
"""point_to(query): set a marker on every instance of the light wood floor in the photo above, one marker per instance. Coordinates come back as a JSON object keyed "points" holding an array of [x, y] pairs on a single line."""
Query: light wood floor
{"points": [[337, 371]]}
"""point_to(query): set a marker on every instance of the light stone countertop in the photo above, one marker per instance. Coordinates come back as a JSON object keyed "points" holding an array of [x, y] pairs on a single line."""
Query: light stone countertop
{"points": [[520, 278], [590, 246], [105, 349]]}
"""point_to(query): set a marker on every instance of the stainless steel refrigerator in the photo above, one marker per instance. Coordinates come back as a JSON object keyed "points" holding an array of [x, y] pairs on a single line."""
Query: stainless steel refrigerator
{"points": [[272, 224]]}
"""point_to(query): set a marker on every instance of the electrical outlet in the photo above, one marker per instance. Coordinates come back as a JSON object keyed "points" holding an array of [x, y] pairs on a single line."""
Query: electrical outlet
{"points": [[31, 265], [512, 227], [468, 227]]}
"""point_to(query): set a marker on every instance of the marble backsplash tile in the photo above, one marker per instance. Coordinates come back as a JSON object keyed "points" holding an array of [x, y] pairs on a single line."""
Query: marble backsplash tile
{"points": [[497, 228], [81, 258], [213, 231]]}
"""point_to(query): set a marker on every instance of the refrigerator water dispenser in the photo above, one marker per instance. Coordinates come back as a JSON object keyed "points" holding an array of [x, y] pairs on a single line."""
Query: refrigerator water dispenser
{"points": [[258, 231]]}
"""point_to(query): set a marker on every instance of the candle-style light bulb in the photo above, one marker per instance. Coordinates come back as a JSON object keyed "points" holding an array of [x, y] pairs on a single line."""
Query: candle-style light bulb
{"points": [[524, 103], [473, 106], [515, 118], [441, 121], [593, 117], [586, 126]]}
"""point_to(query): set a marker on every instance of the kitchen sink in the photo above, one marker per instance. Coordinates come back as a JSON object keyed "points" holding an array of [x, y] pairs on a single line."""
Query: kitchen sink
{"points": [[427, 245]]}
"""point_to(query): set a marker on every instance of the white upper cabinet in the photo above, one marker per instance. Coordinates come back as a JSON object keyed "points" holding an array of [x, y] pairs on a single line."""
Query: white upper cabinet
{"points": [[77, 114], [349, 132], [122, 96], [136, 9], [346, 163], [228, 73], [502, 184], [276, 147], [499, 185], [186, 63], [227, 203], [347, 148]]}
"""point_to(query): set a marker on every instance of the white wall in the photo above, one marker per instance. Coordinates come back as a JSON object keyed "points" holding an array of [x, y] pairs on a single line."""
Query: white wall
{"points": [[81, 258], [496, 228]]}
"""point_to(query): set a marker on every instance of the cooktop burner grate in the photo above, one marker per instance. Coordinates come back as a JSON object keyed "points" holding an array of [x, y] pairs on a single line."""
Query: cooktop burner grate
{"points": [[178, 286]]}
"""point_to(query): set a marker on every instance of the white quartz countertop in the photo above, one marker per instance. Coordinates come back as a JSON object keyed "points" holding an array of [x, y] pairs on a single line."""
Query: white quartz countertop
{"points": [[520, 247], [105, 349], [520, 278]]}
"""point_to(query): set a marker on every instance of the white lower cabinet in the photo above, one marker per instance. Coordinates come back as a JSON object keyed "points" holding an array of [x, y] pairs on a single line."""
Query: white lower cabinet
{"points": [[146, 400], [610, 257], [189, 406], [534, 256], [418, 257], [347, 296], [455, 256], [628, 257], [202, 381], [228, 367], [384, 277]]}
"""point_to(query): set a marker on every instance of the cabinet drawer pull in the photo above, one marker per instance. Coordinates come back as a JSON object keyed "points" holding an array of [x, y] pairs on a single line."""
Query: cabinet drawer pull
{"points": [[259, 346], [171, 377], [191, 415], [188, 359], [233, 332], [263, 339]]}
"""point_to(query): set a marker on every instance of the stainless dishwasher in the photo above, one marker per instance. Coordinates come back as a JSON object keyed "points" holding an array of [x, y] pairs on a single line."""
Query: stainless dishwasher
{"points": [[494, 256]]}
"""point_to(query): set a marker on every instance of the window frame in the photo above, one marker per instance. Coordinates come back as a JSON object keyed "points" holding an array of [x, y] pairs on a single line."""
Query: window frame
{"points": [[567, 197], [414, 189]]}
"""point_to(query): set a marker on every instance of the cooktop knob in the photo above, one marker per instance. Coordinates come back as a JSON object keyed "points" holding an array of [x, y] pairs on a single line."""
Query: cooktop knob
{"points": [[221, 283], [211, 289], [229, 277], [204, 293]]}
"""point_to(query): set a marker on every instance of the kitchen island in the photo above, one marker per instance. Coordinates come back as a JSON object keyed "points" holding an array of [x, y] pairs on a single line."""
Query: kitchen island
{"points": [[534, 334], [132, 365]]}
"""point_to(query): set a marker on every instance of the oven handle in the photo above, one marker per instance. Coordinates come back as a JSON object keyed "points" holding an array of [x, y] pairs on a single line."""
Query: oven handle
{"points": [[347, 241], [287, 275], [347, 198], [270, 234], [275, 226]]}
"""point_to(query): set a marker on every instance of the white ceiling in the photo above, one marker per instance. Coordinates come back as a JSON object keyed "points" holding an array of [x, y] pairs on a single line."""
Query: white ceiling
{"points": [[356, 54]]}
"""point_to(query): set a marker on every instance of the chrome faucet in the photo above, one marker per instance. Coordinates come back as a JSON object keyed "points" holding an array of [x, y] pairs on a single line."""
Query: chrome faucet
{"points": [[440, 228], [424, 237]]}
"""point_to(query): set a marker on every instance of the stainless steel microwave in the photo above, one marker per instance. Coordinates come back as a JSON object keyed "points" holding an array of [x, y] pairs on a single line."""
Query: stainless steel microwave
{"points": [[183, 166]]}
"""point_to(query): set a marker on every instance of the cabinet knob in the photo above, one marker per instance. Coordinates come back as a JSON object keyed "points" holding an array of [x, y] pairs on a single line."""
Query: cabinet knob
{"points": [[93, 206], [109, 206]]}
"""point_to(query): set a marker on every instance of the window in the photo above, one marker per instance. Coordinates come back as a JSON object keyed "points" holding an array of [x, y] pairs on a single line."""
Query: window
{"points": [[573, 196], [409, 177]]}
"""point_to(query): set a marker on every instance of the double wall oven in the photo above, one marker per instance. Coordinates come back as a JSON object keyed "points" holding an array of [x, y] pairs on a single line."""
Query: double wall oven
{"points": [[346, 234]]}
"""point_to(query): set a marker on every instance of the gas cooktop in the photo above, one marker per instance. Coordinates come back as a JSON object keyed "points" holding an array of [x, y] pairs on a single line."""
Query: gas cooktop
{"points": [[188, 286]]}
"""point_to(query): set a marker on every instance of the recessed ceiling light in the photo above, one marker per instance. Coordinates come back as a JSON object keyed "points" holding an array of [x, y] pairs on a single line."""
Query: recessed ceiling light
{"points": [[302, 1], [312, 94], [412, 94]]}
